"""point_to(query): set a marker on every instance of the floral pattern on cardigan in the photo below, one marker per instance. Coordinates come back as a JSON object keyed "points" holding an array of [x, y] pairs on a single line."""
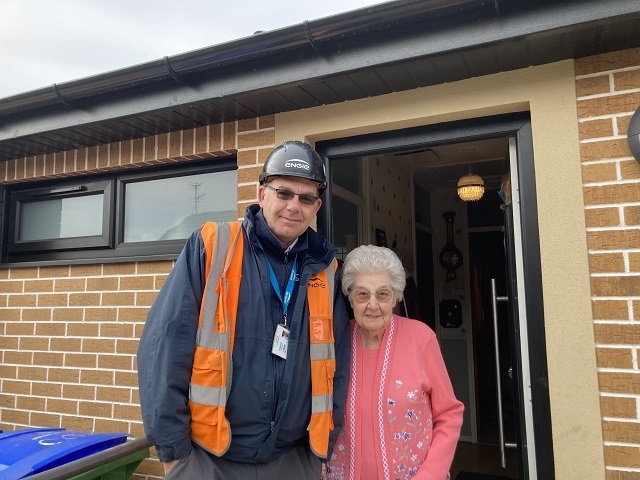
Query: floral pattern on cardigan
{"points": [[419, 418], [404, 415]]}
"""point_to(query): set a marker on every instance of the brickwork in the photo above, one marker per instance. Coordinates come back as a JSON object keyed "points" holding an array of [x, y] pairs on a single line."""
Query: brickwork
{"points": [[69, 333], [608, 89]]}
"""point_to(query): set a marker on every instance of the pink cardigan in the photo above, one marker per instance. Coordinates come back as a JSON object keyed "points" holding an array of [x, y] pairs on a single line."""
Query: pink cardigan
{"points": [[419, 417]]}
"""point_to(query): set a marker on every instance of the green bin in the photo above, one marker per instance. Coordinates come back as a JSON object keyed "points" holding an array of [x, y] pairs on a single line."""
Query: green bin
{"points": [[120, 469], [115, 463]]}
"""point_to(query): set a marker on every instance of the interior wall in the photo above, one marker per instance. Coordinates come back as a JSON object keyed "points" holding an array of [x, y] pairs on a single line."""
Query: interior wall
{"points": [[391, 207], [549, 93]]}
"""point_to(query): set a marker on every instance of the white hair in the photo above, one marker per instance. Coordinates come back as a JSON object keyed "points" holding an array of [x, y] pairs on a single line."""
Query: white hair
{"points": [[369, 259]]}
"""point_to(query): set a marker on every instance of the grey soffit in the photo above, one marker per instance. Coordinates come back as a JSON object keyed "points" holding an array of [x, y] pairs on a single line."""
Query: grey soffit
{"points": [[393, 47]]}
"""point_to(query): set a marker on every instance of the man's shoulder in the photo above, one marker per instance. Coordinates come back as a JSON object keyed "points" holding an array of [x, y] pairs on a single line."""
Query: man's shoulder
{"points": [[319, 246], [216, 224], [212, 227], [210, 233]]}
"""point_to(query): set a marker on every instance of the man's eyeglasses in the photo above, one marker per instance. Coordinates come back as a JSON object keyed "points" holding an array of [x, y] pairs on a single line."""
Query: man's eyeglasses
{"points": [[287, 195], [382, 296]]}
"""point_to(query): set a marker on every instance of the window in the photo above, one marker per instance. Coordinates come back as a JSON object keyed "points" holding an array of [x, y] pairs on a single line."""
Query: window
{"points": [[146, 213], [172, 208]]}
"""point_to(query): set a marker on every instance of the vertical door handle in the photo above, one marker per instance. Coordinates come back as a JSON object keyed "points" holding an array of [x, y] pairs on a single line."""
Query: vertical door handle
{"points": [[494, 304]]}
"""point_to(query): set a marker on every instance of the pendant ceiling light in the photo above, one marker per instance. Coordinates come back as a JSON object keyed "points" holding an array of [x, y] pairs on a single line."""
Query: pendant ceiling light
{"points": [[470, 187]]}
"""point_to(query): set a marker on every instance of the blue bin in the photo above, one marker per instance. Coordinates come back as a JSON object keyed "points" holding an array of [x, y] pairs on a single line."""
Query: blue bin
{"points": [[26, 452]]}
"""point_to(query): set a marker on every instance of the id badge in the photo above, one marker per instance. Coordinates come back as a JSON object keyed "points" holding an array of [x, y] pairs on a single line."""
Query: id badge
{"points": [[280, 341]]}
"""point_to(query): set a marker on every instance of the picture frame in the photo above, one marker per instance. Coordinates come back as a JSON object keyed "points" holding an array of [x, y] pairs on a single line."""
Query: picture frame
{"points": [[381, 237]]}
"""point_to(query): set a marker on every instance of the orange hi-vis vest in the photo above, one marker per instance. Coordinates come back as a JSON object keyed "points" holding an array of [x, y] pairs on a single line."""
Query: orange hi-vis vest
{"points": [[212, 364]]}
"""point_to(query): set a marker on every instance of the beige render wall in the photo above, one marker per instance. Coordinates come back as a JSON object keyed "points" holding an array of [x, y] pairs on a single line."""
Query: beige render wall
{"points": [[69, 333], [608, 90]]}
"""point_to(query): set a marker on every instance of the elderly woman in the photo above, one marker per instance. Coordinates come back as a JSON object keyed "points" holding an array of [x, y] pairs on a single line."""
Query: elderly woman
{"points": [[402, 418]]}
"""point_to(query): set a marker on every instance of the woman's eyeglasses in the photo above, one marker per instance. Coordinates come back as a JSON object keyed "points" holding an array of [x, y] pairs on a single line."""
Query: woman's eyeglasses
{"points": [[287, 195], [382, 296]]}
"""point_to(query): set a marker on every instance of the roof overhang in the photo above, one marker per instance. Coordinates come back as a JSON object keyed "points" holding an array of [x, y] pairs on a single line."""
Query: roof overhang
{"points": [[390, 47]]}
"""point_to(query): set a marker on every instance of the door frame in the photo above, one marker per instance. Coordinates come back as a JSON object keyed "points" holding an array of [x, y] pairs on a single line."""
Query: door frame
{"points": [[518, 125]]}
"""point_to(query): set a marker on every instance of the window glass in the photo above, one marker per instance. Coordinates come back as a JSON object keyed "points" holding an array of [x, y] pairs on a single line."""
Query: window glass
{"points": [[172, 208], [61, 218], [346, 173], [345, 226]]}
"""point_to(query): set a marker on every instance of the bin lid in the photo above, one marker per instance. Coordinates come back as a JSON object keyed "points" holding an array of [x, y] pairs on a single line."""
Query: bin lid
{"points": [[27, 452]]}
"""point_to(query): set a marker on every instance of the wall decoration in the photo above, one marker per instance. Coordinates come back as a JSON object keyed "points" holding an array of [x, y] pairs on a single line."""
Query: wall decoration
{"points": [[450, 313], [381, 237], [450, 257]]}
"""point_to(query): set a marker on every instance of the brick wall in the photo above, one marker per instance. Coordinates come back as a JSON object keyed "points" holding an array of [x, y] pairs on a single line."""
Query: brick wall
{"points": [[69, 333], [608, 90]]}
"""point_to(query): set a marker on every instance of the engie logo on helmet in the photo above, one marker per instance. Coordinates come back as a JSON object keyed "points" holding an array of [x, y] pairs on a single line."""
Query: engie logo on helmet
{"points": [[297, 164]]}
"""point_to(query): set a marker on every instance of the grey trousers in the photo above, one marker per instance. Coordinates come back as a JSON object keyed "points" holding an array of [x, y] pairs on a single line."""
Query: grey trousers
{"points": [[299, 463]]}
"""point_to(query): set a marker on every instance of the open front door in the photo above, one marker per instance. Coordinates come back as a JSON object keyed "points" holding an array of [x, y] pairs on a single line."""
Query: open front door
{"points": [[384, 187], [516, 299], [500, 345], [510, 372]]}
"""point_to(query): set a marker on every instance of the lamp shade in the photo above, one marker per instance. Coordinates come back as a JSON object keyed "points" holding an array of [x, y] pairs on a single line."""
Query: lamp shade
{"points": [[470, 187]]}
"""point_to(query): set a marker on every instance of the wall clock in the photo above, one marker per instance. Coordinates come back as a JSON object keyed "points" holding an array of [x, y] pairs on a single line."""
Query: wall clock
{"points": [[450, 257]]}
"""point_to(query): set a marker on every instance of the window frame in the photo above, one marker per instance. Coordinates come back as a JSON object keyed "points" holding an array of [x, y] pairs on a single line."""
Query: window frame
{"points": [[109, 245], [61, 192]]}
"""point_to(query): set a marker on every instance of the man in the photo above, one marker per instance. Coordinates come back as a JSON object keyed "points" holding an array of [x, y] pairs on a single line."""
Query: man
{"points": [[237, 358]]}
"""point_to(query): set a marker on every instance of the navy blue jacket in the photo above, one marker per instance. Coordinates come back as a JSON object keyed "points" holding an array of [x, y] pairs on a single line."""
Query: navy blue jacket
{"points": [[269, 405]]}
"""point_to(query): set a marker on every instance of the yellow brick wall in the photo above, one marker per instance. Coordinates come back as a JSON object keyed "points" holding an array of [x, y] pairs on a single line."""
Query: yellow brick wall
{"points": [[608, 89], [69, 333]]}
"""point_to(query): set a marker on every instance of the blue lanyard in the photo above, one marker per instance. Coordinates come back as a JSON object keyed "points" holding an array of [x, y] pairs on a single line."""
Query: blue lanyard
{"points": [[288, 290]]}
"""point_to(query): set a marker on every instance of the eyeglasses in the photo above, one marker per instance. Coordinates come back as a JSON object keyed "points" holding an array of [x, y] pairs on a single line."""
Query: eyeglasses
{"points": [[287, 195], [382, 296]]}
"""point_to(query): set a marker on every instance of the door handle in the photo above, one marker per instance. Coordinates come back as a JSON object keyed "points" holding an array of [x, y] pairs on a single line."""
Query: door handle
{"points": [[494, 305]]}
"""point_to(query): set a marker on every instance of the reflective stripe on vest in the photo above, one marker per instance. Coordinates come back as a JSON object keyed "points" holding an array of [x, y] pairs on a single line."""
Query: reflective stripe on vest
{"points": [[212, 367], [212, 363]]}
